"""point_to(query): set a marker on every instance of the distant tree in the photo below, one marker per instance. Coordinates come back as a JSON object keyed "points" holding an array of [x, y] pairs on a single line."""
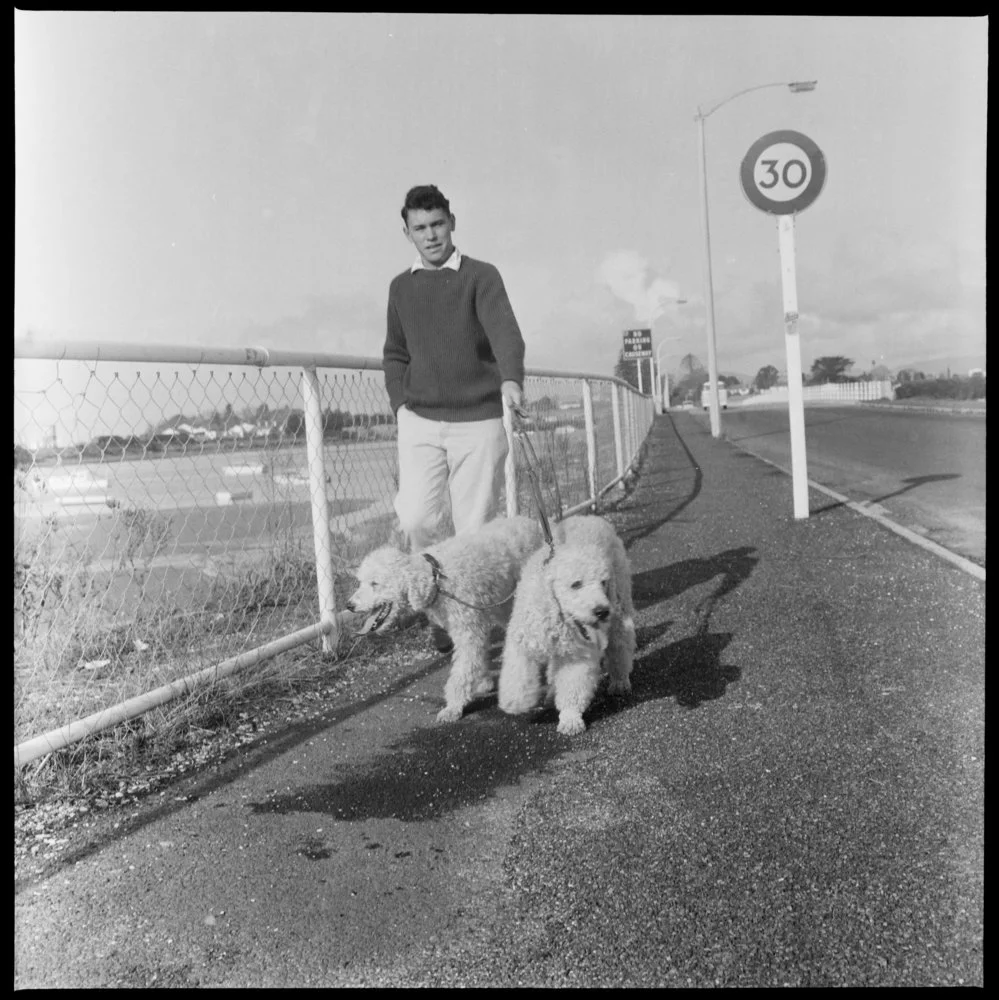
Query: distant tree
{"points": [[294, 424], [334, 421], [955, 387], [690, 376], [687, 386], [626, 370], [767, 377], [831, 368], [690, 363]]}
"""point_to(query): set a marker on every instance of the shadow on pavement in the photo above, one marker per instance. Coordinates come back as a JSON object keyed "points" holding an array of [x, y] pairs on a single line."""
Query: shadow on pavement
{"points": [[238, 762], [689, 670], [433, 770], [655, 586], [630, 521], [911, 484]]}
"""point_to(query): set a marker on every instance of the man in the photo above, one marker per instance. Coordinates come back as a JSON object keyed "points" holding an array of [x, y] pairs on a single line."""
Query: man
{"points": [[453, 352]]}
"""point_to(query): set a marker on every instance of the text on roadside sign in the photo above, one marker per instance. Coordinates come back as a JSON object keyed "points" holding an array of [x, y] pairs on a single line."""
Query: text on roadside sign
{"points": [[783, 172], [637, 344]]}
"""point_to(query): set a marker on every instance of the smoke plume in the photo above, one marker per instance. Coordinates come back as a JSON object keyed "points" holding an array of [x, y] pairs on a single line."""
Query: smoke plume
{"points": [[628, 275]]}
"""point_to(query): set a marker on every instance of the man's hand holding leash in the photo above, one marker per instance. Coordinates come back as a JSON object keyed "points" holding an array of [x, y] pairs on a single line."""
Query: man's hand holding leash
{"points": [[513, 396]]}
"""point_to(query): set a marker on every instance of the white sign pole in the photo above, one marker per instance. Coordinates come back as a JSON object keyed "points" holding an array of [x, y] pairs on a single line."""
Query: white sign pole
{"points": [[638, 362], [792, 343]]}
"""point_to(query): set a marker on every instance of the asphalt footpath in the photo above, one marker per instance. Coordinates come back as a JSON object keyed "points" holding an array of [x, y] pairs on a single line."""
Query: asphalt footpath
{"points": [[793, 795]]}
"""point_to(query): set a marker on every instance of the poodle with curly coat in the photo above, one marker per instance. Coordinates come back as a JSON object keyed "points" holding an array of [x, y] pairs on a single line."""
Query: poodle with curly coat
{"points": [[572, 622], [464, 585]]}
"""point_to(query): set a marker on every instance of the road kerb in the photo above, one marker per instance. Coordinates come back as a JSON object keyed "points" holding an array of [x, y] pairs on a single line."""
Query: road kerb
{"points": [[969, 567]]}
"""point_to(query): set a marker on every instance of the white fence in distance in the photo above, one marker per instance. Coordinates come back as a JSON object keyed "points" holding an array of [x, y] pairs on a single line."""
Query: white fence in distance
{"points": [[831, 392]]}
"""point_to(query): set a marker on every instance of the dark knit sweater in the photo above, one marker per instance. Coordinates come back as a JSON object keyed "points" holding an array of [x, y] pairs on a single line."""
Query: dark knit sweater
{"points": [[452, 339]]}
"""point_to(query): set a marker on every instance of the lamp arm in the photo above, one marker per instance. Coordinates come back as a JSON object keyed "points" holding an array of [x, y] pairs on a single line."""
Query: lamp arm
{"points": [[739, 93]]}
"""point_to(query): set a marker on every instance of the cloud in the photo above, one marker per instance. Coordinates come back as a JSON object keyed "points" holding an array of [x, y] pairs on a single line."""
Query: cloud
{"points": [[339, 323], [628, 275], [867, 279], [879, 297]]}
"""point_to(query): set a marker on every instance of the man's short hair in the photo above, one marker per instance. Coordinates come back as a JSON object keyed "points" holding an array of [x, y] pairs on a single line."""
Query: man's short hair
{"points": [[425, 197]]}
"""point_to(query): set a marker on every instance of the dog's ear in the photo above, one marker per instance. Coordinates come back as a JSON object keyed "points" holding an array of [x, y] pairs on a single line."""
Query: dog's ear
{"points": [[421, 584]]}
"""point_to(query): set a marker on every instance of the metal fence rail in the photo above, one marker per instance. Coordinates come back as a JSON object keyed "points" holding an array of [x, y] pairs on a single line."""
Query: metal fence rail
{"points": [[181, 511]]}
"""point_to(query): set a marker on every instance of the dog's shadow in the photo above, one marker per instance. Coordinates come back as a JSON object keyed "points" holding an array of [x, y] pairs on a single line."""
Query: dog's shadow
{"points": [[690, 671]]}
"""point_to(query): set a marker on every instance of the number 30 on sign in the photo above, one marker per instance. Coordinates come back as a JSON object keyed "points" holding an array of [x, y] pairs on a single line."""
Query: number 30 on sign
{"points": [[783, 172]]}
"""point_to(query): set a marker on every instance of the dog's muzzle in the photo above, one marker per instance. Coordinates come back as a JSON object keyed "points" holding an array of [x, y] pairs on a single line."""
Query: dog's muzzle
{"points": [[376, 619], [590, 630]]}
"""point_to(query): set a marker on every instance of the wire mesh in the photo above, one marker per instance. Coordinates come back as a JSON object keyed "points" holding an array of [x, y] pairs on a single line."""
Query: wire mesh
{"points": [[163, 517]]}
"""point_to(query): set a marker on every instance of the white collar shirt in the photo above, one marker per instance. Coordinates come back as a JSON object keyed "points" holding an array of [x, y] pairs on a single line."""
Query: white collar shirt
{"points": [[453, 262]]}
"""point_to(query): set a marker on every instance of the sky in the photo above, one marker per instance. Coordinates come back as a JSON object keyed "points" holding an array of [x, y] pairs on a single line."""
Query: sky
{"points": [[236, 179]]}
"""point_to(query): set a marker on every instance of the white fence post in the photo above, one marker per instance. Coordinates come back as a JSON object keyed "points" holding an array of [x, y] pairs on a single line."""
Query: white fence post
{"points": [[510, 466], [632, 428], [591, 442], [320, 506], [618, 430]]}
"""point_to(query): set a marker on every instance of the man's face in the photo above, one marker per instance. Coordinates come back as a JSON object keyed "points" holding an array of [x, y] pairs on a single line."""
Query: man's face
{"points": [[430, 232]]}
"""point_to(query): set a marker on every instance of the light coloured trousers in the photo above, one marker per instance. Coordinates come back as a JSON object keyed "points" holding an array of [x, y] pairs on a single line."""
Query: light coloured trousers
{"points": [[447, 468]]}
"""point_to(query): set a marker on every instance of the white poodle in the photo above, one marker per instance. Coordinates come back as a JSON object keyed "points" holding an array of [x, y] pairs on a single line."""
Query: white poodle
{"points": [[572, 620], [464, 585]]}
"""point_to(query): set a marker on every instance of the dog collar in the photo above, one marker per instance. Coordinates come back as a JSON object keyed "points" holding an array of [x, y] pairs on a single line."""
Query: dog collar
{"points": [[437, 570], [434, 565], [439, 574]]}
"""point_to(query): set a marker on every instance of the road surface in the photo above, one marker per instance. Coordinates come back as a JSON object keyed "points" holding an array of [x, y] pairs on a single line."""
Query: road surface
{"points": [[926, 470]]}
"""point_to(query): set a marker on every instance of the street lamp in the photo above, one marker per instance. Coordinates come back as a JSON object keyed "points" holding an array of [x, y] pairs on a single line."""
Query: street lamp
{"points": [[663, 401], [796, 87]]}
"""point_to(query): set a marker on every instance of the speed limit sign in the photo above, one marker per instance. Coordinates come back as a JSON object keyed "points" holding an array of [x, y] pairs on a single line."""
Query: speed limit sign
{"points": [[783, 172]]}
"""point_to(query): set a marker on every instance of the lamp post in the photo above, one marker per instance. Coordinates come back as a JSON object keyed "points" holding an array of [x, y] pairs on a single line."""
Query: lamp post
{"points": [[663, 387], [662, 401], [796, 87], [662, 378]]}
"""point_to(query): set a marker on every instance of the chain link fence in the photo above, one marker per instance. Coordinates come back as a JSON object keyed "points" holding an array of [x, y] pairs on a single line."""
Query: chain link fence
{"points": [[180, 513]]}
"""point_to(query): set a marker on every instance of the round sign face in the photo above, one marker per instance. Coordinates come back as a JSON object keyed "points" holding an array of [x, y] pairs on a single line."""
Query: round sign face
{"points": [[783, 172]]}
